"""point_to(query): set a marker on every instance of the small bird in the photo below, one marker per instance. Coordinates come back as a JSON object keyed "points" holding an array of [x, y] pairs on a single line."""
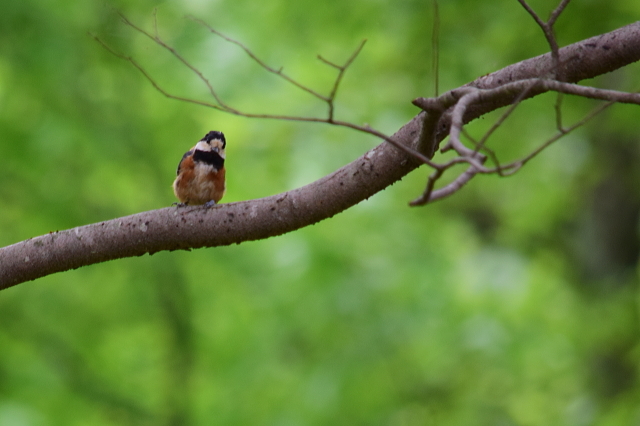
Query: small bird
{"points": [[201, 172]]}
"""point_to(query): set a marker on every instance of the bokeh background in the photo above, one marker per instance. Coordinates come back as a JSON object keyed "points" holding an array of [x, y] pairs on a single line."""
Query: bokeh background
{"points": [[514, 302]]}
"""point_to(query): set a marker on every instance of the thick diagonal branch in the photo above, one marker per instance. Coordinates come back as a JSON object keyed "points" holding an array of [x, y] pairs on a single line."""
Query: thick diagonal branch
{"points": [[175, 228]]}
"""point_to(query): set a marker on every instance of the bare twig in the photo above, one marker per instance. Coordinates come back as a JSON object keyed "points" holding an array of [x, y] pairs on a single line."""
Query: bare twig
{"points": [[547, 29], [481, 145], [482, 142], [328, 99], [160, 42], [549, 33], [558, 110], [516, 165], [435, 48], [430, 194], [279, 72], [447, 190], [341, 70], [152, 81], [472, 97]]}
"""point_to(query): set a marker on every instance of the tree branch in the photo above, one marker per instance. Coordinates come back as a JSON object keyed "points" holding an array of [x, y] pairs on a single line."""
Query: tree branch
{"points": [[174, 228]]}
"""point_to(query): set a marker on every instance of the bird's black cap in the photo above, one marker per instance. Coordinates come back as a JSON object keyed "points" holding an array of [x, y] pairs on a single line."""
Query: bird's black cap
{"points": [[214, 134]]}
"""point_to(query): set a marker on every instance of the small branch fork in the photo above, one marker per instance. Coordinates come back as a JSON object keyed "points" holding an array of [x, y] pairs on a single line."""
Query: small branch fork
{"points": [[459, 102], [448, 111]]}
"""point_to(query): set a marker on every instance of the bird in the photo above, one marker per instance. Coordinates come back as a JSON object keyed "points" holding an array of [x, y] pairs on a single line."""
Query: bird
{"points": [[201, 173]]}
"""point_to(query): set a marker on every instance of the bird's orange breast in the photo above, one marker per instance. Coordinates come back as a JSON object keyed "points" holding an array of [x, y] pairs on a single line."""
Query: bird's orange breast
{"points": [[199, 183]]}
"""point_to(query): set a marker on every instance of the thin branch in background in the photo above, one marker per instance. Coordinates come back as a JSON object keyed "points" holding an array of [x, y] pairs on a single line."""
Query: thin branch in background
{"points": [[221, 106], [152, 81], [516, 165], [435, 48], [557, 11], [558, 109], [367, 129], [155, 22], [341, 70], [547, 29], [426, 195], [160, 42], [447, 190], [279, 72], [481, 144]]}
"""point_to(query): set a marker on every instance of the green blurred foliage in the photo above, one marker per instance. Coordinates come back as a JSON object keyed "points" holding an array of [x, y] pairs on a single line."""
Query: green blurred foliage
{"points": [[514, 302]]}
